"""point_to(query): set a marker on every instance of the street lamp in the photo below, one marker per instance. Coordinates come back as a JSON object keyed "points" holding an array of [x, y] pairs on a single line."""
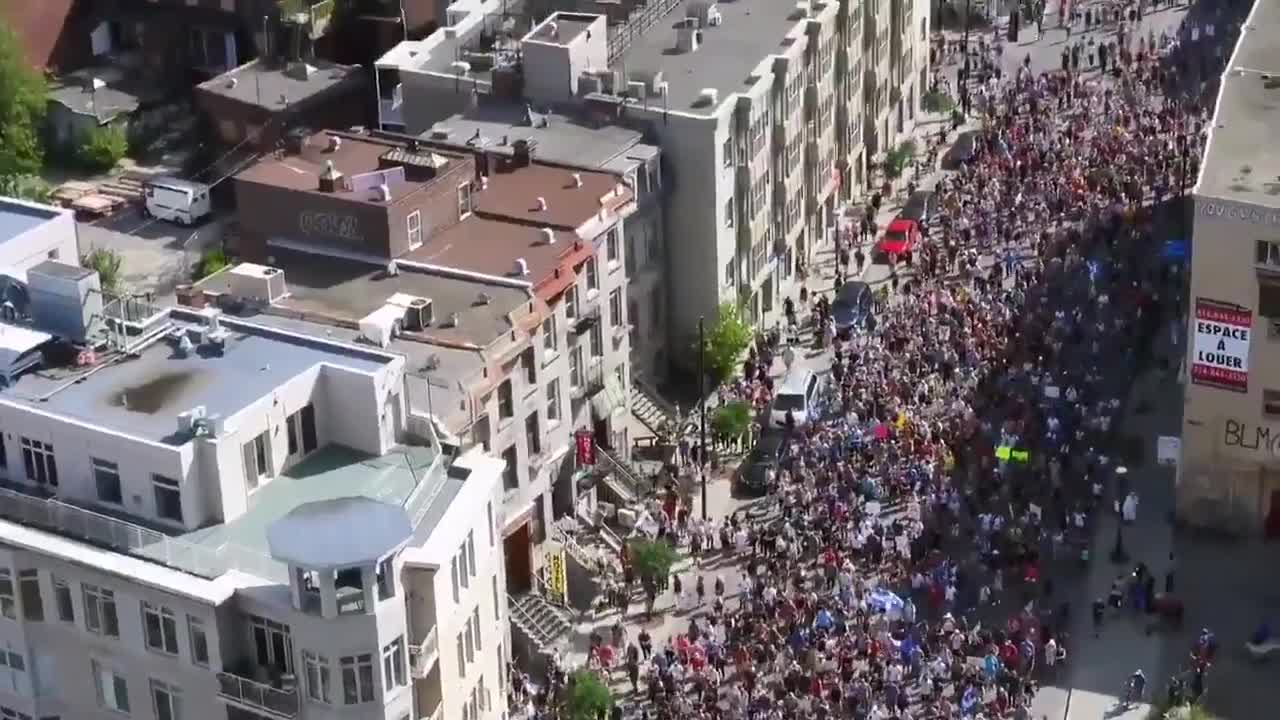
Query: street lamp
{"points": [[964, 73], [1119, 555]]}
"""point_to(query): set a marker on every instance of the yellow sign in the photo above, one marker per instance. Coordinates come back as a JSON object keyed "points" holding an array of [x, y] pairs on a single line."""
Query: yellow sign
{"points": [[558, 582], [1002, 452]]}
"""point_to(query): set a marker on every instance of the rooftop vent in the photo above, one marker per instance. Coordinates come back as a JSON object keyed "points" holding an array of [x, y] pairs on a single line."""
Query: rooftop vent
{"points": [[548, 235], [708, 96], [484, 298], [460, 67], [802, 9], [335, 143], [521, 268], [393, 269], [576, 180], [553, 29], [455, 320], [330, 179], [384, 193], [688, 36], [541, 204], [232, 82]]}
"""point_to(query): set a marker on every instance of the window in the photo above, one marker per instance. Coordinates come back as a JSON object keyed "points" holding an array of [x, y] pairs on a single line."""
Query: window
{"points": [[462, 658], [11, 714], [549, 339], [1269, 300], [386, 579], [357, 679], [728, 212], [13, 661], [37, 458], [168, 498], [159, 628], [106, 475], [455, 579], [167, 699], [611, 245], [633, 312], [1267, 253], [571, 303], [488, 511], [653, 244], [553, 401], [497, 608], [317, 676], [393, 665], [1271, 403], [506, 405], [100, 611], [575, 367], [199, 641], [469, 642], [475, 627], [597, 341], [32, 602], [728, 273], [531, 435], [8, 606], [464, 200], [113, 690], [413, 226], [593, 280], [510, 471], [530, 367], [257, 459], [615, 308], [272, 644], [629, 247], [62, 599], [727, 151]]}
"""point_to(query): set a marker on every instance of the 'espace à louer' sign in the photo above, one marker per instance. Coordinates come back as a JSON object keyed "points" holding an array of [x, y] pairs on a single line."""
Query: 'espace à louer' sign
{"points": [[1221, 345]]}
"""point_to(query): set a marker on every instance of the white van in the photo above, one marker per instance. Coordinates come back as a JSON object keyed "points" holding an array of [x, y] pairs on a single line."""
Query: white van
{"points": [[798, 394], [175, 200]]}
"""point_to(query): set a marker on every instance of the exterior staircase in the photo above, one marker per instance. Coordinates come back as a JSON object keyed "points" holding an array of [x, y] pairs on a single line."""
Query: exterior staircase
{"points": [[631, 479], [651, 409], [546, 624], [126, 187]]}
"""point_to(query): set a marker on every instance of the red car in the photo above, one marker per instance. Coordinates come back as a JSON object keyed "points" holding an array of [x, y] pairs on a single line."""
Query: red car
{"points": [[899, 238]]}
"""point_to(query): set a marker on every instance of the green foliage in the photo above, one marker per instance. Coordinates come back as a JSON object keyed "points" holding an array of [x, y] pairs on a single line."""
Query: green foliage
{"points": [[726, 340], [26, 187], [937, 101], [586, 697], [107, 263], [897, 159], [22, 108], [731, 420], [213, 261], [102, 147], [652, 559]]}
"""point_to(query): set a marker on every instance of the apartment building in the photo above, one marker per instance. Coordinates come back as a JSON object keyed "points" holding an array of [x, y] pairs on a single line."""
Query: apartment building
{"points": [[502, 281], [204, 517], [758, 154], [1229, 474]]}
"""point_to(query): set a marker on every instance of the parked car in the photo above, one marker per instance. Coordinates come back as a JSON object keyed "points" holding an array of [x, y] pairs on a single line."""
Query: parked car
{"points": [[900, 238], [852, 307], [768, 454], [920, 206], [961, 151]]}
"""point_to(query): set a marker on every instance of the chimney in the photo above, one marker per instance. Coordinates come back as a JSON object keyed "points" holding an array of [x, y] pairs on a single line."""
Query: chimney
{"points": [[576, 180], [521, 268], [542, 204], [549, 235], [330, 179]]}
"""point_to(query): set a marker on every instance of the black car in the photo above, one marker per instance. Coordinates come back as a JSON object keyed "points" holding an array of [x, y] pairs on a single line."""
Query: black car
{"points": [[920, 206], [852, 307], [768, 454], [962, 151]]}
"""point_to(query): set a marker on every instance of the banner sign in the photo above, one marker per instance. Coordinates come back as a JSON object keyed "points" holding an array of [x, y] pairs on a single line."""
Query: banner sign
{"points": [[558, 582], [1221, 345], [585, 447]]}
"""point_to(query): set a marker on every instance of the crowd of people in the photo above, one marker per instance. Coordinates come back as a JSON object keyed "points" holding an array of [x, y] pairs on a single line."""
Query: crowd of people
{"points": [[902, 565]]}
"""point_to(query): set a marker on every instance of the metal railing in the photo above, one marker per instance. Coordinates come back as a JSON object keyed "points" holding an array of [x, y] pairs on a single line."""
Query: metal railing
{"points": [[636, 25], [258, 695], [424, 654], [632, 480]]}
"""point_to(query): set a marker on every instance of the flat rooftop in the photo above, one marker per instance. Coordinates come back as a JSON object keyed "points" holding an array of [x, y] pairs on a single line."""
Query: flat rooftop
{"points": [[18, 217], [353, 155], [491, 247], [751, 30], [561, 139], [141, 395], [324, 288], [406, 477], [275, 87], [568, 26], [1242, 162]]}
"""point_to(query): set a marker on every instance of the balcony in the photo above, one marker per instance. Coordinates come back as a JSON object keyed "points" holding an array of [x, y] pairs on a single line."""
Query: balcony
{"points": [[313, 16], [258, 697], [422, 657]]}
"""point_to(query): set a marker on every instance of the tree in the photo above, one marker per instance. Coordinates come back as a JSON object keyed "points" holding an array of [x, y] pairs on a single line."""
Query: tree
{"points": [[26, 187], [586, 697], [651, 559], [101, 147], [726, 340], [22, 109], [107, 263], [897, 159], [732, 420], [213, 261], [937, 101]]}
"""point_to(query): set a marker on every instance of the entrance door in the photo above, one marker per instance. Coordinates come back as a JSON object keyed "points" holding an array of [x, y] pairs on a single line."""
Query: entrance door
{"points": [[1273, 516], [308, 428], [518, 549], [600, 428]]}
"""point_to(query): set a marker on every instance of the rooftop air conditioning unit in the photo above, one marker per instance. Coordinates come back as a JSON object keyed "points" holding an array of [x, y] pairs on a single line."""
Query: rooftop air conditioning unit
{"points": [[251, 281], [709, 96], [635, 89], [418, 315], [188, 420]]}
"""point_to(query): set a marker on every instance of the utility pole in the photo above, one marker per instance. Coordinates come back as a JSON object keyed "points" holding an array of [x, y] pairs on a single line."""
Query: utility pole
{"points": [[702, 422], [964, 79]]}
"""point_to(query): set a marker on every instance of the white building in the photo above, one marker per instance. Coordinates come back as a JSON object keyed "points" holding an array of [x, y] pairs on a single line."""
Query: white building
{"points": [[767, 116], [204, 517], [31, 233]]}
